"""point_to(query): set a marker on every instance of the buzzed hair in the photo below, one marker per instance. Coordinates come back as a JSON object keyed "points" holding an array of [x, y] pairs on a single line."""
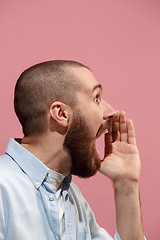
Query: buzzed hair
{"points": [[38, 87]]}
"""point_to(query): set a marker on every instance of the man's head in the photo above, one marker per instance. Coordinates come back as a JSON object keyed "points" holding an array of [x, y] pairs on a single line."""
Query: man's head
{"points": [[38, 87], [56, 89]]}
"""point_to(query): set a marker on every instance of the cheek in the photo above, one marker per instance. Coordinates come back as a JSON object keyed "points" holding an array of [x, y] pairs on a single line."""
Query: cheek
{"points": [[98, 113], [93, 115], [97, 119]]}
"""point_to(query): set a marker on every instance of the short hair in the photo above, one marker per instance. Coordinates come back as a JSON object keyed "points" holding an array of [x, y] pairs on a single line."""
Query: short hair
{"points": [[38, 87]]}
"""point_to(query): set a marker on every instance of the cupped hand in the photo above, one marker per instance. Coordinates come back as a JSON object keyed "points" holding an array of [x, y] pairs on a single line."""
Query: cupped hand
{"points": [[121, 159]]}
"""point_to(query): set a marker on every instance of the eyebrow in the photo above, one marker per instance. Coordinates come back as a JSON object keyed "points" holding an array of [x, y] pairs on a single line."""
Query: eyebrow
{"points": [[97, 86]]}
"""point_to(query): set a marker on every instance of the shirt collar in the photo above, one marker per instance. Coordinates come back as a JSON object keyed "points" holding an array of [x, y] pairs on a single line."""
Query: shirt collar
{"points": [[56, 179], [30, 164]]}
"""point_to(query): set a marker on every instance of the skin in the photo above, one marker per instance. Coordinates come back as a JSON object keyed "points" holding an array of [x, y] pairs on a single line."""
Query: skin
{"points": [[121, 161]]}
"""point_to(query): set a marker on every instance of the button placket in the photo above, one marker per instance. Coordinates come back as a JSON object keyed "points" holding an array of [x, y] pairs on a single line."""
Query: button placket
{"points": [[68, 217], [52, 208]]}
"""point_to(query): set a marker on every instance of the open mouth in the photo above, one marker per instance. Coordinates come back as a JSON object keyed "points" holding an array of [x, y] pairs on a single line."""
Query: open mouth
{"points": [[104, 128]]}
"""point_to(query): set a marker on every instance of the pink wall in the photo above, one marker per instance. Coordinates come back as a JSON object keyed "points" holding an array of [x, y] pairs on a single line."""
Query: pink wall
{"points": [[120, 41]]}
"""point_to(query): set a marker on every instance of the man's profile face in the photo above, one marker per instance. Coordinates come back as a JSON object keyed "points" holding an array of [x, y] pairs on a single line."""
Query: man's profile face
{"points": [[90, 118]]}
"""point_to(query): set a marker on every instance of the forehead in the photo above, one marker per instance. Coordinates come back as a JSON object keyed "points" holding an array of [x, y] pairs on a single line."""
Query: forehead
{"points": [[84, 78]]}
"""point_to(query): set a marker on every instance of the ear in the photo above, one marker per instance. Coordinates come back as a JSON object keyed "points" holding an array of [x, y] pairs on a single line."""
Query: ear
{"points": [[60, 112]]}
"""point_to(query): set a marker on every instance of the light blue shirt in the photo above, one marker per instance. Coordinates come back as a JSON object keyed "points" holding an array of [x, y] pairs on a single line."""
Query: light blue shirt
{"points": [[29, 207]]}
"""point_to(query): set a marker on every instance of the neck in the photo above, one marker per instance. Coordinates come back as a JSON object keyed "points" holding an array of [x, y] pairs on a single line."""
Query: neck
{"points": [[49, 149]]}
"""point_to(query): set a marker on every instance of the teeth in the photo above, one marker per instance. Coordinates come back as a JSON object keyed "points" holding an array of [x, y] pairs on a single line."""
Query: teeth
{"points": [[106, 131]]}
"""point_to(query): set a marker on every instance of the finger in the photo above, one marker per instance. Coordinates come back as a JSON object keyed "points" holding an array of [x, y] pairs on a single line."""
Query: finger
{"points": [[108, 149], [114, 132], [131, 132], [108, 136], [123, 127], [116, 125], [108, 141]]}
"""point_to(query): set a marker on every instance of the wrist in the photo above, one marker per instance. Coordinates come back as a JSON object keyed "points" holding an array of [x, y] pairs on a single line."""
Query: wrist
{"points": [[126, 187]]}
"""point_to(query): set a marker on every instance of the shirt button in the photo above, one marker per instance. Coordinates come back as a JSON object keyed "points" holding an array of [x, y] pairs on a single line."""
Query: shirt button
{"points": [[51, 198], [57, 237], [37, 183]]}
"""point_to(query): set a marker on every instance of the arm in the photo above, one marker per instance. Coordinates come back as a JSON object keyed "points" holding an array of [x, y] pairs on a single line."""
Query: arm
{"points": [[122, 165], [129, 224]]}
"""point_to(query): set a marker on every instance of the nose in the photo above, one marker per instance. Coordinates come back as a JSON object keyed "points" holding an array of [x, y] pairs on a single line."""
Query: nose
{"points": [[108, 110]]}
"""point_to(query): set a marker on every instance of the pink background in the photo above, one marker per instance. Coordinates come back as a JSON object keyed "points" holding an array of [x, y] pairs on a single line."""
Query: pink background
{"points": [[120, 41]]}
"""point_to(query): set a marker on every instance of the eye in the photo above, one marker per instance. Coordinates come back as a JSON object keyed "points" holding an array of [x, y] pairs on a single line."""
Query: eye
{"points": [[97, 99]]}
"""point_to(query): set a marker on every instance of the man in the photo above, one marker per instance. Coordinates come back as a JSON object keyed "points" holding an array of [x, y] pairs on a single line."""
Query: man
{"points": [[60, 107]]}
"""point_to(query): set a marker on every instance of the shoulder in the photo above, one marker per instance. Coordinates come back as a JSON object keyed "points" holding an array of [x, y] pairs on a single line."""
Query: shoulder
{"points": [[5, 164], [74, 190], [8, 169], [78, 197]]}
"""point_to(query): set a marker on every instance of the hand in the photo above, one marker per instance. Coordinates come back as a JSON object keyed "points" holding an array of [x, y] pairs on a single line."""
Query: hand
{"points": [[121, 160]]}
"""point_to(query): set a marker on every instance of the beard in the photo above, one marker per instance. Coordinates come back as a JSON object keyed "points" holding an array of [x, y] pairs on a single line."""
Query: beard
{"points": [[81, 145]]}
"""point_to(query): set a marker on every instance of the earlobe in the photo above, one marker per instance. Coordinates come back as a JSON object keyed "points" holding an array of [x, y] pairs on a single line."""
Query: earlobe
{"points": [[58, 111]]}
